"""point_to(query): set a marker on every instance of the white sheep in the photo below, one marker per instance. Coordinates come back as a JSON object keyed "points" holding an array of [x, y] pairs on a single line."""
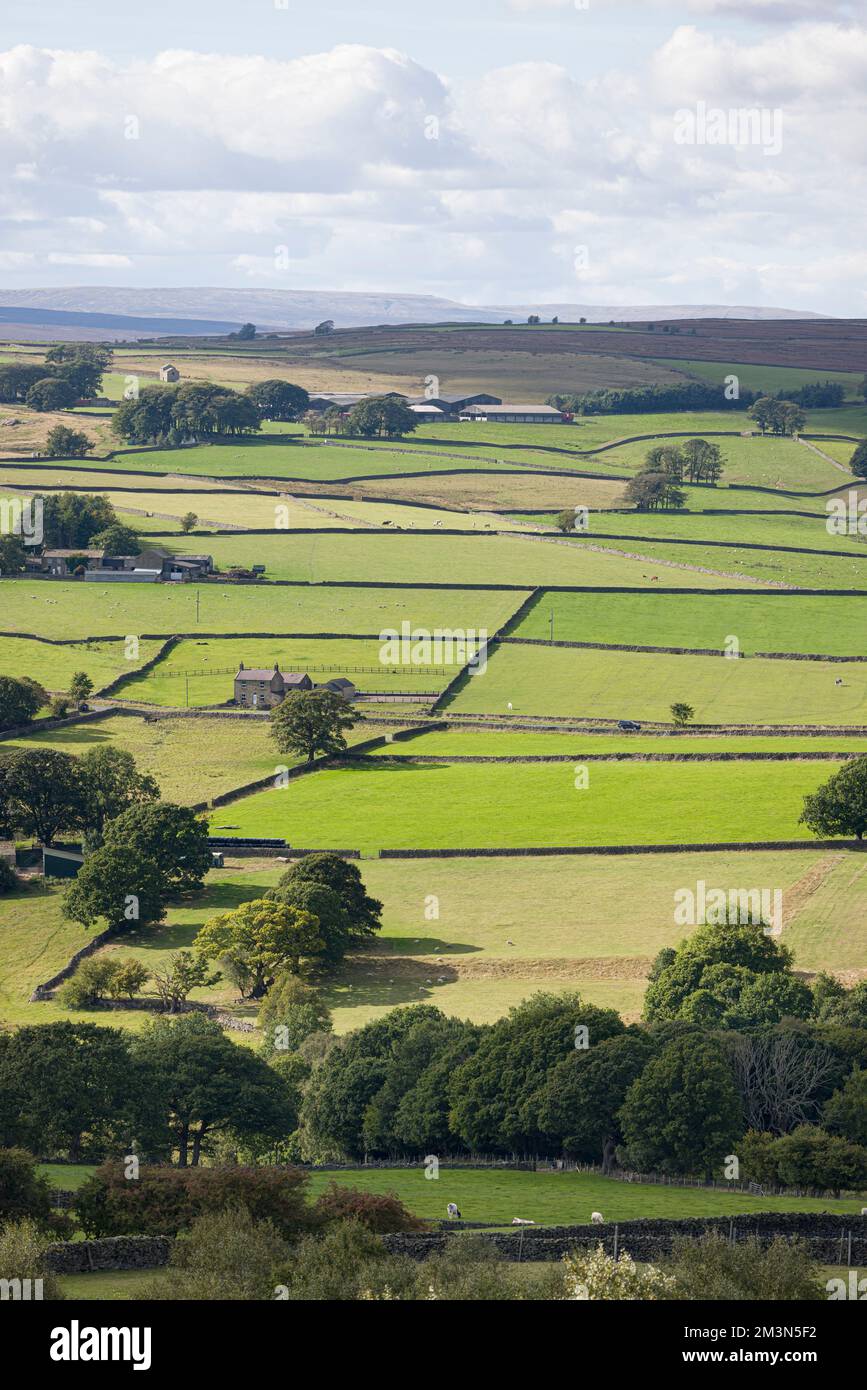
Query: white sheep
{"points": [[864, 1211], [521, 1221], [597, 1218], [452, 1209]]}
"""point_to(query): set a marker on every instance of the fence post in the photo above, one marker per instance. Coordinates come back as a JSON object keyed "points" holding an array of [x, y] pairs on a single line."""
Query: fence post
{"points": [[616, 1240], [849, 1253]]}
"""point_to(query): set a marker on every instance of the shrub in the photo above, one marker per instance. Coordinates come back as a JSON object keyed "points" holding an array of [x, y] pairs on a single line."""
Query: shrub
{"points": [[711, 1268], [347, 1263], [102, 977], [471, 1269], [24, 1193], [225, 1255], [9, 880], [165, 1201], [22, 1256], [382, 1213], [596, 1277]]}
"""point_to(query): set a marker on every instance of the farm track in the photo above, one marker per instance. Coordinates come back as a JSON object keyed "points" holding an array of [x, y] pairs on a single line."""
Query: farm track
{"points": [[796, 898]]}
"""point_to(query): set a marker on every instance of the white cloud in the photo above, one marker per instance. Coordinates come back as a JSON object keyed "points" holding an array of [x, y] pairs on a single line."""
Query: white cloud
{"points": [[101, 262], [361, 169]]}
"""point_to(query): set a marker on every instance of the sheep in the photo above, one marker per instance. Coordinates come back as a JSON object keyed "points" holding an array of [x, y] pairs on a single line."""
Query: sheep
{"points": [[454, 1213], [521, 1221], [597, 1218], [864, 1211]]}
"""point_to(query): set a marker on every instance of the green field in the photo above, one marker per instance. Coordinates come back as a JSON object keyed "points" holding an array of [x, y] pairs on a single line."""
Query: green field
{"points": [[800, 570], [759, 377], [192, 759], [760, 461], [604, 920], [56, 609], [422, 560], [761, 622], [458, 805], [54, 666], [202, 672], [503, 742], [594, 683], [726, 528], [550, 1198]]}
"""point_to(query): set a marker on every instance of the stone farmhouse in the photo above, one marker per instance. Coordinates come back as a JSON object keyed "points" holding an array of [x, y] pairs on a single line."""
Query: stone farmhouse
{"points": [[263, 689]]}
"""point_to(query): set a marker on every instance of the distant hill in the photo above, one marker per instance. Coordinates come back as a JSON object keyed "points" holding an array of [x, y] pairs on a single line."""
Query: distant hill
{"points": [[128, 312]]}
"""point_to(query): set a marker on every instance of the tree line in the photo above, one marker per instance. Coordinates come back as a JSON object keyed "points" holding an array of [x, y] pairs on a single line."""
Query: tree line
{"points": [[70, 372], [648, 400]]}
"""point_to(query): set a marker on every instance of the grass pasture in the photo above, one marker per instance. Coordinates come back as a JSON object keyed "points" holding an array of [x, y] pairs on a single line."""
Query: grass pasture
{"points": [[426, 560], [601, 921], [496, 1195], [192, 760], [765, 622], [381, 805], [504, 742], [57, 610], [53, 666], [597, 684]]}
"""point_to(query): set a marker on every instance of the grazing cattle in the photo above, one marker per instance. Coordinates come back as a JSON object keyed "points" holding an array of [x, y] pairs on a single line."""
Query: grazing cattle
{"points": [[597, 1218], [452, 1209]]}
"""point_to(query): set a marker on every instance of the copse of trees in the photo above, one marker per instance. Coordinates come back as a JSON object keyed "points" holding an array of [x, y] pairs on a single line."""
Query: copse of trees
{"points": [[653, 491], [779, 417], [175, 414], [385, 417], [64, 443], [278, 400], [815, 395], [81, 364], [721, 975], [648, 400], [44, 790], [70, 372], [72, 519], [51, 393], [206, 1084]]}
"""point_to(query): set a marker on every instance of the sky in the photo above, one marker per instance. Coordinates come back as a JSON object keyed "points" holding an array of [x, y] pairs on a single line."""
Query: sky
{"points": [[488, 151]]}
